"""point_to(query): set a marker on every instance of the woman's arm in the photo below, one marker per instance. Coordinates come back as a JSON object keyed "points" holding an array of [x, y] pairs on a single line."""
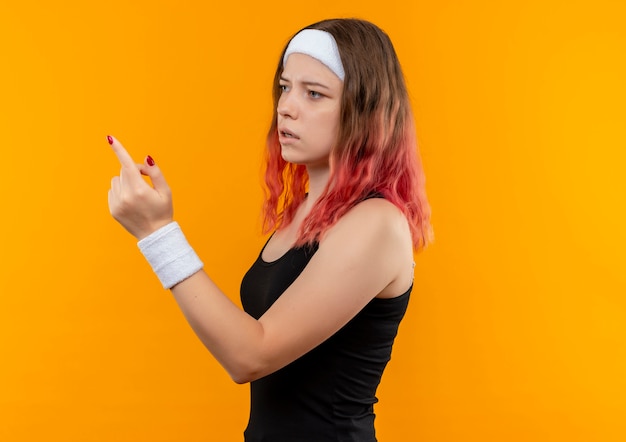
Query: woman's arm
{"points": [[356, 261], [365, 253]]}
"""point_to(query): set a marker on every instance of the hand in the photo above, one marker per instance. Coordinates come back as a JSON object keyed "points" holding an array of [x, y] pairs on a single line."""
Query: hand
{"points": [[138, 207]]}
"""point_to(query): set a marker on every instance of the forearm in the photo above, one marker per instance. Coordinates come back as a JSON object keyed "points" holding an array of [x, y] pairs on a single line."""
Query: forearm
{"points": [[231, 335]]}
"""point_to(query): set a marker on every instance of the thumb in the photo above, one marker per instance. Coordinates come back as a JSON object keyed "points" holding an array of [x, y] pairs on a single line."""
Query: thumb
{"points": [[150, 169]]}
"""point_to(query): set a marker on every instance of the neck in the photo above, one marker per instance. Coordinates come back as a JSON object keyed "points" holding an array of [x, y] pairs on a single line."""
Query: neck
{"points": [[318, 178]]}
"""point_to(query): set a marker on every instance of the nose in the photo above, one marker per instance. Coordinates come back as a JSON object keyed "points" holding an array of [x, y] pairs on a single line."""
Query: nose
{"points": [[287, 106]]}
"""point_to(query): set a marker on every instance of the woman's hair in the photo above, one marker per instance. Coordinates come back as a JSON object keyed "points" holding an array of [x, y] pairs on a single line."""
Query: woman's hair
{"points": [[376, 149]]}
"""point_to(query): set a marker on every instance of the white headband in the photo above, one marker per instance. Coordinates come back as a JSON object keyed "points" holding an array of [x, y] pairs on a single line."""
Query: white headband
{"points": [[320, 45]]}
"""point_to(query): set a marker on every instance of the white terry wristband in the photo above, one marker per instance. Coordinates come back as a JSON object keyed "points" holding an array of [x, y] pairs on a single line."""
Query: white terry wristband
{"points": [[170, 255]]}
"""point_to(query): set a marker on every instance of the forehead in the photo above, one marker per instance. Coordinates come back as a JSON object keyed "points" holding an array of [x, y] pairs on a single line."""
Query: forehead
{"points": [[299, 66]]}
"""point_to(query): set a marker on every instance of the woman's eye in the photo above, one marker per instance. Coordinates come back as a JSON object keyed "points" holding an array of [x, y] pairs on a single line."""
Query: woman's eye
{"points": [[283, 87], [314, 94]]}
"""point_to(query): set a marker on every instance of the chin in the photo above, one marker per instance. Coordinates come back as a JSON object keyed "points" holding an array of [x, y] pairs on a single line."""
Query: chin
{"points": [[289, 157]]}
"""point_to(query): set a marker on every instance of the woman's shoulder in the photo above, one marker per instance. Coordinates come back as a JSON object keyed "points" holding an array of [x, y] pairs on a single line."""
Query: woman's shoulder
{"points": [[375, 209], [375, 218], [372, 238]]}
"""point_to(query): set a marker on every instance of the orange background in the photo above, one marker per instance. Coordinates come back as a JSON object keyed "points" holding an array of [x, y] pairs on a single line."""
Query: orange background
{"points": [[517, 330]]}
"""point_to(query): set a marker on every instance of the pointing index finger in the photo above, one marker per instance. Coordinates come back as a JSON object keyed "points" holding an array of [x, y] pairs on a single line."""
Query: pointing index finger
{"points": [[122, 155]]}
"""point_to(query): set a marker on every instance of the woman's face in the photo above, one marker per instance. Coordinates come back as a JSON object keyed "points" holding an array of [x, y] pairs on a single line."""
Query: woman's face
{"points": [[308, 111]]}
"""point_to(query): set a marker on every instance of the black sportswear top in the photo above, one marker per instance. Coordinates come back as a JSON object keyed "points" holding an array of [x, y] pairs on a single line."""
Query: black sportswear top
{"points": [[328, 394]]}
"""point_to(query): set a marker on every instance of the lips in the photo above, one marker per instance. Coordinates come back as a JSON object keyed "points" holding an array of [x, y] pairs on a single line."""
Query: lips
{"points": [[285, 133]]}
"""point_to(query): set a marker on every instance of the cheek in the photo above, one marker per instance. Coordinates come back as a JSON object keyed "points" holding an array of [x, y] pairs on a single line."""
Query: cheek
{"points": [[329, 116], [333, 125], [329, 130]]}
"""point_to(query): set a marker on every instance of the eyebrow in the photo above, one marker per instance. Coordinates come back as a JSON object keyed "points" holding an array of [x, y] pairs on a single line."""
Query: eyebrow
{"points": [[307, 83]]}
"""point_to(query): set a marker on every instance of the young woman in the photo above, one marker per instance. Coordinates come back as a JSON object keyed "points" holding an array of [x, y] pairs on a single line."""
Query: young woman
{"points": [[346, 207]]}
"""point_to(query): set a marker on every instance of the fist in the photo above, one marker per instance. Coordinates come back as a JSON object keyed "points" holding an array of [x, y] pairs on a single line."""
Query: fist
{"points": [[139, 207]]}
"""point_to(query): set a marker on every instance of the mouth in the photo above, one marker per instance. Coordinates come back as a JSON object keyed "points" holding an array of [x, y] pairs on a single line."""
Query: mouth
{"points": [[284, 133]]}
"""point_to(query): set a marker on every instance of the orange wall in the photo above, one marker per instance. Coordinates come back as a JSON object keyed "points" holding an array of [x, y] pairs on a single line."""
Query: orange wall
{"points": [[517, 328]]}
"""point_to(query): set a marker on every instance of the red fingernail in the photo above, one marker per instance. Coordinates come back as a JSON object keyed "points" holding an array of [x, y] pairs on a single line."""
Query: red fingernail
{"points": [[149, 160], [110, 139]]}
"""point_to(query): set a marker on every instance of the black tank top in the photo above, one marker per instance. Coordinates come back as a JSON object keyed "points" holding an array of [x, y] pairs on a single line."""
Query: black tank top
{"points": [[329, 393]]}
